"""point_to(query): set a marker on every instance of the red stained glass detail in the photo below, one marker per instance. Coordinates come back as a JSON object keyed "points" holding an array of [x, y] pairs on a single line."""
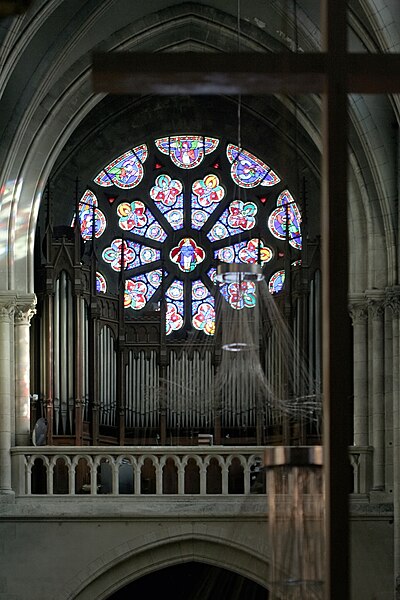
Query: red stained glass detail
{"points": [[187, 255]]}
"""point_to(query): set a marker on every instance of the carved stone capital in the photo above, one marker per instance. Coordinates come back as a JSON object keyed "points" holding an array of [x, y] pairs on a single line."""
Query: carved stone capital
{"points": [[24, 314], [358, 312], [6, 311], [376, 309], [376, 300], [25, 308], [393, 300]]}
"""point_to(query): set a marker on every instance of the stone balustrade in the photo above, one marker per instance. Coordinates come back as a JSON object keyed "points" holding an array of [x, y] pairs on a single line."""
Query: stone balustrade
{"points": [[155, 470], [127, 470]]}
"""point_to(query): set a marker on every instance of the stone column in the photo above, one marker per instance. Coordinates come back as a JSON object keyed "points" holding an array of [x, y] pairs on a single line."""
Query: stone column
{"points": [[377, 311], [25, 309], [395, 306], [359, 316], [6, 320]]}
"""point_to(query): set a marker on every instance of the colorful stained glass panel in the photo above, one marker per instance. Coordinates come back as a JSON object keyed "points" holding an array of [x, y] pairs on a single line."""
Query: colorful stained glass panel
{"points": [[141, 288], [187, 255], [135, 254], [87, 206], [175, 307], [239, 216], [126, 171], [239, 295], [251, 252], [207, 193], [101, 283], [287, 211], [203, 311], [247, 170], [136, 218], [168, 197], [186, 151], [276, 282]]}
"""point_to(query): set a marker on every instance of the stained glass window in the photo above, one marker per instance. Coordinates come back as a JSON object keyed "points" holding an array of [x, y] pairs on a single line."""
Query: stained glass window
{"points": [[276, 282], [187, 151], [286, 217], [87, 208], [189, 202], [126, 171], [101, 284]]}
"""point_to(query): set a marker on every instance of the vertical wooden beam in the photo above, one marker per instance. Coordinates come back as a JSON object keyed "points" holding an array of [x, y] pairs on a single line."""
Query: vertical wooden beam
{"points": [[336, 351]]}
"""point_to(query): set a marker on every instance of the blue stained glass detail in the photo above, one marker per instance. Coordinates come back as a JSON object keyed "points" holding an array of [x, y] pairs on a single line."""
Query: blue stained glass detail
{"points": [[87, 206], [101, 283], [175, 307], [135, 254], [136, 218], [247, 170], [287, 211], [276, 282], [212, 273]]}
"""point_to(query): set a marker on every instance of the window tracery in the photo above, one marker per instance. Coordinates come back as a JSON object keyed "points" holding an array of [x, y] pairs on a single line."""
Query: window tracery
{"points": [[179, 219]]}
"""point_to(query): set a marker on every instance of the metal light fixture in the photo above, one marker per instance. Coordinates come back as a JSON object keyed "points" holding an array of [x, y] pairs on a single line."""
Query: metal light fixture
{"points": [[239, 326], [238, 272]]}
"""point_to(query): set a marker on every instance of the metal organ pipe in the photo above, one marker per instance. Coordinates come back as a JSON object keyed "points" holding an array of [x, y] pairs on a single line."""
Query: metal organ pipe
{"points": [[63, 349], [73, 346], [56, 350], [85, 354], [114, 380], [108, 364]]}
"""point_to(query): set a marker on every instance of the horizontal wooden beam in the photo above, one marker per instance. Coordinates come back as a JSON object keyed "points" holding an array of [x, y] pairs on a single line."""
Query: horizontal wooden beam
{"points": [[244, 73]]}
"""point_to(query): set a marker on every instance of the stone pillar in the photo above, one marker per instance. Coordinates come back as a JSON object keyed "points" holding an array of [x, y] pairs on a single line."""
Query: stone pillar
{"points": [[24, 311], [395, 306], [6, 320], [377, 311], [359, 316]]}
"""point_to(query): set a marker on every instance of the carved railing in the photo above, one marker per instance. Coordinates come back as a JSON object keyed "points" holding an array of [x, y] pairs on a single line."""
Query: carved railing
{"points": [[155, 470], [126, 470]]}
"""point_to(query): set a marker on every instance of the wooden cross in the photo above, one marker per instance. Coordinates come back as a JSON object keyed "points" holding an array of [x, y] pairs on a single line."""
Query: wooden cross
{"points": [[334, 73]]}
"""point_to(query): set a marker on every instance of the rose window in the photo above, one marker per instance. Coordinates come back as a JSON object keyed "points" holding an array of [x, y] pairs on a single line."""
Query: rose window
{"points": [[168, 211]]}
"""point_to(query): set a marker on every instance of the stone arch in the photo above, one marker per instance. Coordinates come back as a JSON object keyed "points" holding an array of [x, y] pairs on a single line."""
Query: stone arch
{"points": [[55, 101], [134, 560]]}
